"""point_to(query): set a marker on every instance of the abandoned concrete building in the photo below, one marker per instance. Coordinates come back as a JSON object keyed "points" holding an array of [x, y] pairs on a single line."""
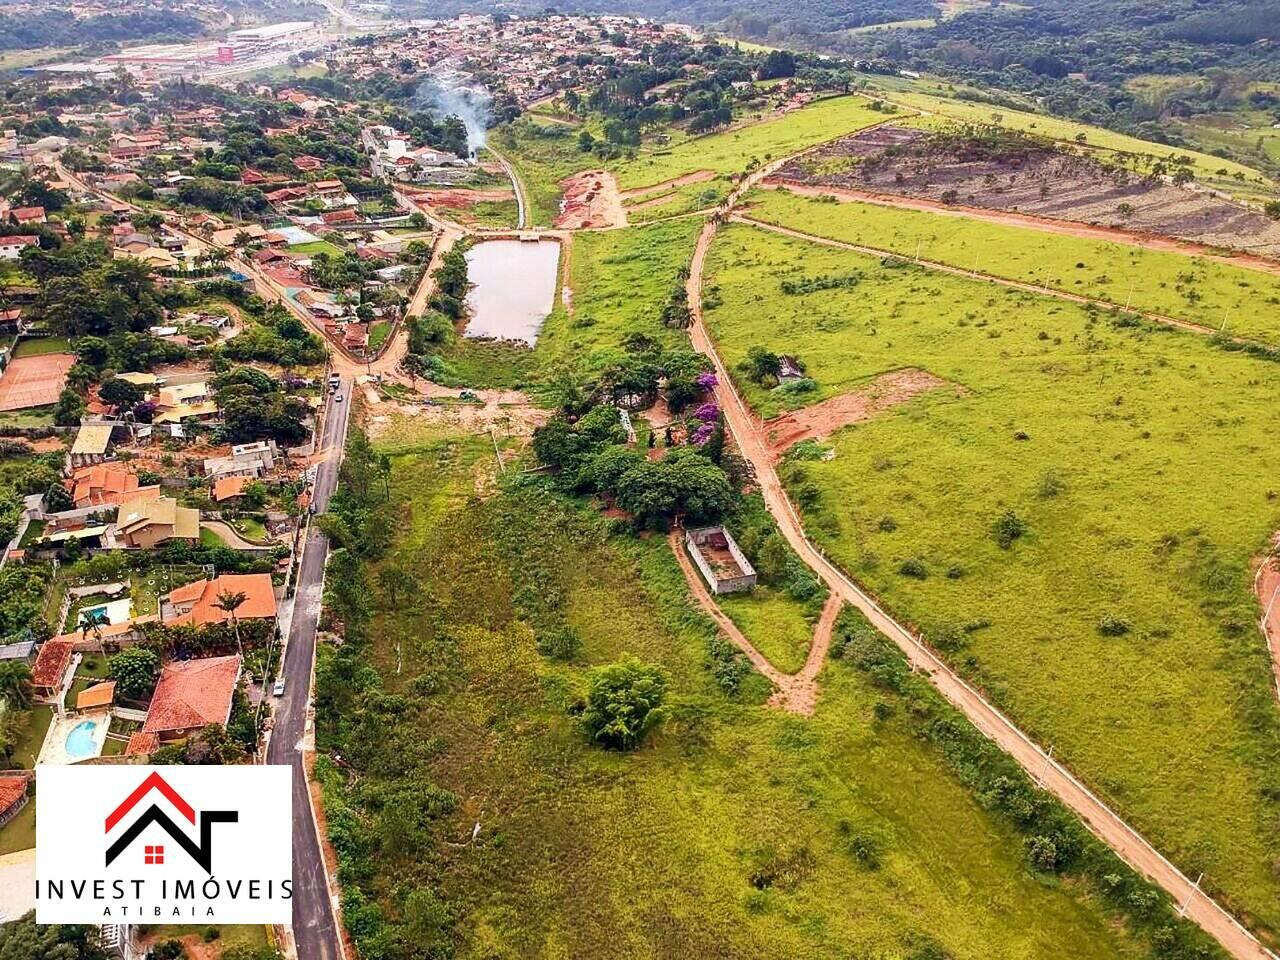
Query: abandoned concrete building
{"points": [[720, 560]]}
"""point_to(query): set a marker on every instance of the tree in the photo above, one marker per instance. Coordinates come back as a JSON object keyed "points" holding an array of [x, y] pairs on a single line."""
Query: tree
{"points": [[69, 408], [15, 683], [624, 702], [212, 746], [93, 621], [24, 940], [229, 602], [761, 364], [120, 394], [134, 670]]}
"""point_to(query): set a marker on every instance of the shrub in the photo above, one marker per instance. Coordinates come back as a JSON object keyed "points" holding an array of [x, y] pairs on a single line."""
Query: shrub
{"points": [[562, 643], [1008, 528], [1042, 853], [1113, 625], [914, 568]]}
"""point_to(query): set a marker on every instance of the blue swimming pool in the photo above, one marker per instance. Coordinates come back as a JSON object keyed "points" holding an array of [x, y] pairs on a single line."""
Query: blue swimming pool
{"points": [[88, 612], [80, 741]]}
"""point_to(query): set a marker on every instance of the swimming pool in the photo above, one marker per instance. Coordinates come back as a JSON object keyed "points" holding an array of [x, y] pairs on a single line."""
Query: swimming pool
{"points": [[81, 742]]}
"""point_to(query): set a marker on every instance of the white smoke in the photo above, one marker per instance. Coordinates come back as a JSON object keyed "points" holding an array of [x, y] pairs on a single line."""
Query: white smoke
{"points": [[456, 94]]}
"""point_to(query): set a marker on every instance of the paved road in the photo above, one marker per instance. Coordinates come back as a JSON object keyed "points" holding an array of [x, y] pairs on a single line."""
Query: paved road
{"points": [[314, 927]]}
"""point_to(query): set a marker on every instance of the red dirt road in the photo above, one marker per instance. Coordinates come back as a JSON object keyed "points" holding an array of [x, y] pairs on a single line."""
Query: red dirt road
{"points": [[34, 381], [1266, 585], [823, 419], [1047, 772], [793, 692]]}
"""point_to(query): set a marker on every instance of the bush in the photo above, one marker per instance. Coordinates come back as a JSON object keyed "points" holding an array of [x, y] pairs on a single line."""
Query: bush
{"points": [[624, 702], [1113, 625], [562, 643], [1008, 528], [913, 567]]}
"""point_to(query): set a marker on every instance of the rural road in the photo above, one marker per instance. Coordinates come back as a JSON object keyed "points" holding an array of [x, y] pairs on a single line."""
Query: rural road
{"points": [[315, 929], [1043, 769]]}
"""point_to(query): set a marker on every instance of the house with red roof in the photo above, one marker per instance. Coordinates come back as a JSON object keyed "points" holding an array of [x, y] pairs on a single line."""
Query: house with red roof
{"points": [[196, 603], [338, 218], [24, 215], [106, 484], [11, 247], [308, 163], [50, 668], [190, 695]]}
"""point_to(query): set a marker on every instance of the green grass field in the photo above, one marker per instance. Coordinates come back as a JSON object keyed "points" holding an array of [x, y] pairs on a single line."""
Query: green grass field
{"points": [[779, 627], [315, 246], [20, 832], [735, 832], [1171, 284], [620, 279], [740, 149], [39, 346], [1121, 627], [542, 156]]}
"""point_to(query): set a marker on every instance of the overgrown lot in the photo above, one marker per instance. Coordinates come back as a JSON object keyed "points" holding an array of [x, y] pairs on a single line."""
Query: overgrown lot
{"points": [[473, 816], [1074, 533]]}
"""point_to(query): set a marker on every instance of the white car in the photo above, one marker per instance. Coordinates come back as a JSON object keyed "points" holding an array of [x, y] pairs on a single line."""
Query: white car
{"points": [[337, 398], [278, 689]]}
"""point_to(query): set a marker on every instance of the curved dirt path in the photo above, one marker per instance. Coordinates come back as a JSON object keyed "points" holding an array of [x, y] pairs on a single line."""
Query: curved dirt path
{"points": [[1009, 218], [793, 692], [1047, 772]]}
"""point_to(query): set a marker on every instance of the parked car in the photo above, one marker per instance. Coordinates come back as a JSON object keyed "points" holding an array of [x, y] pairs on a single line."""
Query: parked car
{"points": [[278, 689]]}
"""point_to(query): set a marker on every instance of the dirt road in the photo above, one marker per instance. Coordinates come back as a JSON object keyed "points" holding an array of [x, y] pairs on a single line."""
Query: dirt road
{"points": [[793, 692], [1046, 771], [978, 275]]}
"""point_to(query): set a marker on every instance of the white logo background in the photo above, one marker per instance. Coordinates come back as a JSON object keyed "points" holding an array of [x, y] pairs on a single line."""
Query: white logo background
{"points": [[251, 859]]}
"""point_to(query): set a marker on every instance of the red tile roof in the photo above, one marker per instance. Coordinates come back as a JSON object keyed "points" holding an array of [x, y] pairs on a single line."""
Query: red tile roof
{"points": [[193, 693], [51, 663], [104, 483], [260, 598], [141, 744], [227, 487], [12, 789]]}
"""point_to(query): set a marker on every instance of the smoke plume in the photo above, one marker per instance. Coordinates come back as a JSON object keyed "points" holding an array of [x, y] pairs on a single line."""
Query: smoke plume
{"points": [[455, 94]]}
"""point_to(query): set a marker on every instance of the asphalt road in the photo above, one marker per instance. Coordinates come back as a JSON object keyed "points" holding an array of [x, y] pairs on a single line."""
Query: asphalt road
{"points": [[314, 927]]}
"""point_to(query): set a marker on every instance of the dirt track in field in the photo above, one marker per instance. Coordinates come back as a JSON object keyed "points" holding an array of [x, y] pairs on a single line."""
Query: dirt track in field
{"points": [[1266, 586], [698, 176], [1066, 228], [793, 692]]}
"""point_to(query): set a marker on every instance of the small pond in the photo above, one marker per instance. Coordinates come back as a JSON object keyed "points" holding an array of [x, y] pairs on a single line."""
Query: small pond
{"points": [[513, 287]]}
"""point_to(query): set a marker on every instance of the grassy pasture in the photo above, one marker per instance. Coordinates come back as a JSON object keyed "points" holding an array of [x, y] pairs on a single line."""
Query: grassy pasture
{"points": [[736, 150], [620, 281], [542, 155], [1121, 627], [731, 833], [1173, 284]]}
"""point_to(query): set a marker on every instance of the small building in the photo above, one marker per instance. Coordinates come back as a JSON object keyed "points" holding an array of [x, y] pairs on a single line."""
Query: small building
{"points": [[23, 650], [11, 247], [90, 446], [196, 603], [22, 216], [50, 668], [190, 695], [100, 696], [145, 523], [229, 488], [719, 559], [13, 797], [789, 369]]}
